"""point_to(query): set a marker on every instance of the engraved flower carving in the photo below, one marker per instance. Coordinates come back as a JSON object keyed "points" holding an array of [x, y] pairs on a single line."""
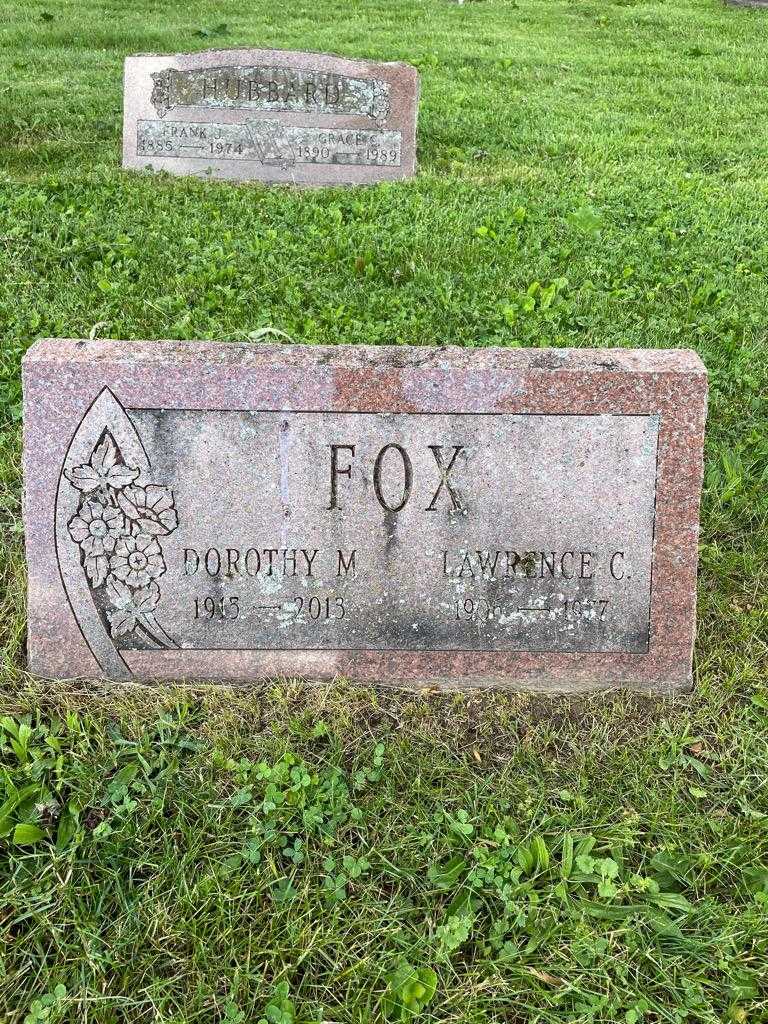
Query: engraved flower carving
{"points": [[117, 525], [137, 560], [161, 92], [131, 607], [102, 470], [151, 507], [96, 528], [380, 105]]}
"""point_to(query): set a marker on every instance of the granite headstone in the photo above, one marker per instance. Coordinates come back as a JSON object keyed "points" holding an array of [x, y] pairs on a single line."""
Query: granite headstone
{"points": [[512, 518], [271, 115]]}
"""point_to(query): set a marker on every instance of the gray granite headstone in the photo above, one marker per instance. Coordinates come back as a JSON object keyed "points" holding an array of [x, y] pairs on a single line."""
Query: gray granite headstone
{"points": [[271, 115], [514, 518]]}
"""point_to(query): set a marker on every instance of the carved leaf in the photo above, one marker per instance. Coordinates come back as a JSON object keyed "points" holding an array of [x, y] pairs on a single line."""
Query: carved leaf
{"points": [[126, 504], [102, 469], [131, 609], [121, 476], [152, 527], [118, 593], [84, 478], [104, 456], [146, 599], [159, 499], [122, 621], [97, 567]]}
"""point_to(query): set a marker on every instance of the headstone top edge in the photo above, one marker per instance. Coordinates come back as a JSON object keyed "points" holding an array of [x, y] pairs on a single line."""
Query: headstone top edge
{"points": [[164, 351], [230, 52]]}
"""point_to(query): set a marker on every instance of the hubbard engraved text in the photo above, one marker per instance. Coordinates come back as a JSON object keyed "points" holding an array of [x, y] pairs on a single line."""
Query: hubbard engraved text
{"points": [[270, 88]]}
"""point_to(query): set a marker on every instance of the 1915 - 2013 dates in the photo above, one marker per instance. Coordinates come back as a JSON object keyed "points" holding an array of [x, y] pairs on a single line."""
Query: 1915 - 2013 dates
{"points": [[297, 609]]}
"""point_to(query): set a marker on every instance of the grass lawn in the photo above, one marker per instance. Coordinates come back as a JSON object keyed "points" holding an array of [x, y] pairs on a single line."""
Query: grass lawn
{"points": [[592, 172]]}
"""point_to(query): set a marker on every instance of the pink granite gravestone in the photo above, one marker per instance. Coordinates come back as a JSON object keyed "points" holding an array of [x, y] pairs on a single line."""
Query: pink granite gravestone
{"points": [[525, 519], [271, 115]]}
